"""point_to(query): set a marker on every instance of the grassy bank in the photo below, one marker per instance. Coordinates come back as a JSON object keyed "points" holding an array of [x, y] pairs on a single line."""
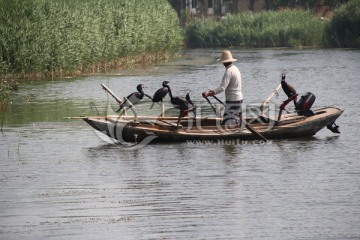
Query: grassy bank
{"points": [[47, 39], [41, 38], [287, 28]]}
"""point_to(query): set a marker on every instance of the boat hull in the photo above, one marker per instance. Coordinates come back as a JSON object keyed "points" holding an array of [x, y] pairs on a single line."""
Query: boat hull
{"points": [[164, 129]]}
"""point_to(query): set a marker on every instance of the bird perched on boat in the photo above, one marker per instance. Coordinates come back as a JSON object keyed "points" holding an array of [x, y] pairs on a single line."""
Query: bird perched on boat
{"points": [[187, 97], [135, 97], [288, 89], [183, 104], [191, 105], [159, 96]]}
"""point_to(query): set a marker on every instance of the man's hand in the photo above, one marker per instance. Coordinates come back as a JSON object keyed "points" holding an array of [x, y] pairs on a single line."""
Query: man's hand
{"points": [[208, 93]]}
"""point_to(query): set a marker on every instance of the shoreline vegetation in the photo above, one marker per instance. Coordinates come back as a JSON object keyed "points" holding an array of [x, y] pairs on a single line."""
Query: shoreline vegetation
{"points": [[51, 39], [294, 28], [286, 28]]}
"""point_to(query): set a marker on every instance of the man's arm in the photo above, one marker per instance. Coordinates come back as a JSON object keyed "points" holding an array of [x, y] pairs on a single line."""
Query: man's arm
{"points": [[224, 82]]}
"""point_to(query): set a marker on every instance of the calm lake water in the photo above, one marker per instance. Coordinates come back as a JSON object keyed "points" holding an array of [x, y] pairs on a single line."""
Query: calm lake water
{"points": [[60, 180]]}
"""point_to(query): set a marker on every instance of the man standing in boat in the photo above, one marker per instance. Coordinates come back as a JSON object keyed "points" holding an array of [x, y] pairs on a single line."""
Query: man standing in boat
{"points": [[231, 84]]}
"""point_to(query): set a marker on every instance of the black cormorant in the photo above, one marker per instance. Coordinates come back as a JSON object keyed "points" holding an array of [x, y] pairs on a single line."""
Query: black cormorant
{"points": [[183, 104], [135, 97], [288, 89], [159, 96]]}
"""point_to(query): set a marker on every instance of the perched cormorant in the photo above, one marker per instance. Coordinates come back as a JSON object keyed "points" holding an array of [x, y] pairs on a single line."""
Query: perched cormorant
{"points": [[288, 89], [159, 95], [187, 97], [135, 97], [183, 104]]}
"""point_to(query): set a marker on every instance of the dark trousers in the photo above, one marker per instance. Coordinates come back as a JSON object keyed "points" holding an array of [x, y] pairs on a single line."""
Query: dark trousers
{"points": [[233, 113]]}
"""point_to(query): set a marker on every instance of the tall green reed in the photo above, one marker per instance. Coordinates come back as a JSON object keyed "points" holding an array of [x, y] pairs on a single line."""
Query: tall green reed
{"points": [[344, 28], [287, 28], [53, 37]]}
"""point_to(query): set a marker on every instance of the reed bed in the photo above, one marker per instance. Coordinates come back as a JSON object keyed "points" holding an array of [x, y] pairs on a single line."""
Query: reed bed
{"points": [[42, 38], [287, 28], [344, 28]]}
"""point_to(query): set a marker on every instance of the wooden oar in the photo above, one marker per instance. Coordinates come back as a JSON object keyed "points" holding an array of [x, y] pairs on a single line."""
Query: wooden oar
{"points": [[111, 93], [247, 125], [132, 107], [212, 106]]}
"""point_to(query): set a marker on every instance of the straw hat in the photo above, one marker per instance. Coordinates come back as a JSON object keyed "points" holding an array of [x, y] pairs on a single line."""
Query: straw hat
{"points": [[227, 57]]}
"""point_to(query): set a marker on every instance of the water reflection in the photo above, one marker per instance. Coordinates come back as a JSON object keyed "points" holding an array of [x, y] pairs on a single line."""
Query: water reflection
{"points": [[231, 150]]}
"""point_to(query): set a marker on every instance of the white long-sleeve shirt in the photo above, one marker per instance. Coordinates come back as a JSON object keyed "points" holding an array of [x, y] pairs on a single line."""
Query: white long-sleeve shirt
{"points": [[231, 84]]}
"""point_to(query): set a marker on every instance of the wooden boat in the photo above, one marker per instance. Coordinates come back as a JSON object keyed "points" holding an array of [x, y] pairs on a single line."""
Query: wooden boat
{"points": [[164, 129]]}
